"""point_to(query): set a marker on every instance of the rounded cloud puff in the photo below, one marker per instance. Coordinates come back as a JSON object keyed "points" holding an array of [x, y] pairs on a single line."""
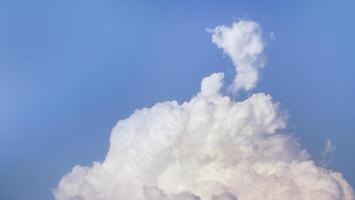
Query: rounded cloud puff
{"points": [[243, 43]]}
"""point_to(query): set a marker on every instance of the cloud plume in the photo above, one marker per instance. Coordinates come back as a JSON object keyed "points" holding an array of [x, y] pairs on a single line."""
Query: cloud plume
{"points": [[243, 43], [208, 148]]}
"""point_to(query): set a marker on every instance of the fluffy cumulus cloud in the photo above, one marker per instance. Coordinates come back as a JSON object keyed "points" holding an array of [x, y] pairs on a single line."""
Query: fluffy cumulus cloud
{"points": [[208, 148], [244, 44]]}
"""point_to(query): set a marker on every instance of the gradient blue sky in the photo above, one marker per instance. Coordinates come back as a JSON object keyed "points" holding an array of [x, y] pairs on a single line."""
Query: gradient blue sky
{"points": [[69, 70]]}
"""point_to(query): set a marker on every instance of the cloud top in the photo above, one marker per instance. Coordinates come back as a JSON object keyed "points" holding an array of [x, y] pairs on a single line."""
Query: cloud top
{"points": [[208, 148], [243, 43]]}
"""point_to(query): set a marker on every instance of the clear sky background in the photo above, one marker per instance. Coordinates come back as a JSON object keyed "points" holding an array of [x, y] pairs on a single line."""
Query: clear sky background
{"points": [[69, 70]]}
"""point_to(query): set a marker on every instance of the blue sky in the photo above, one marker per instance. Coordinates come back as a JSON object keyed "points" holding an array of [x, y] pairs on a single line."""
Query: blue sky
{"points": [[69, 70]]}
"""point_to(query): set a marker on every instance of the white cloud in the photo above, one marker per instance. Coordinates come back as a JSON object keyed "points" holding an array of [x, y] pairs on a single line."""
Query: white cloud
{"points": [[224, 196], [243, 42], [209, 148], [154, 193]]}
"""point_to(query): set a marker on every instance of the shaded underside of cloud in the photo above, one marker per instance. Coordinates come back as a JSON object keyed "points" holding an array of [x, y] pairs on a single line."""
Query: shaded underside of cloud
{"points": [[208, 148]]}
